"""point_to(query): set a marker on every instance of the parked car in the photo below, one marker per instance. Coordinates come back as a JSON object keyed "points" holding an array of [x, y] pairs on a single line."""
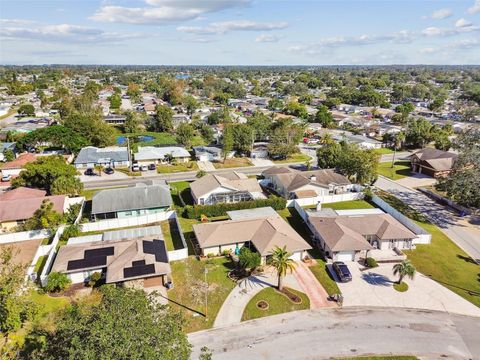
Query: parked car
{"points": [[144, 168], [109, 171], [6, 178], [135, 167], [342, 271], [151, 167], [90, 172]]}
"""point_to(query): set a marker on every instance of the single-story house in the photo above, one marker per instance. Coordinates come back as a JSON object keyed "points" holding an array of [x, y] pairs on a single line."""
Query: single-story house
{"points": [[262, 233], [229, 187], [19, 205], [294, 184], [344, 237], [159, 155], [14, 167], [24, 252], [364, 142], [115, 119], [210, 153], [259, 151], [432, 162], [137, 200], [113, 156], [141, 258]]}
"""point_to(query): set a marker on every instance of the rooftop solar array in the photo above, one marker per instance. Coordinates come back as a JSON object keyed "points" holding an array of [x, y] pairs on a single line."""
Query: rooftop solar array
{"points": [[91, 258], [139, 270], [157, 248]]}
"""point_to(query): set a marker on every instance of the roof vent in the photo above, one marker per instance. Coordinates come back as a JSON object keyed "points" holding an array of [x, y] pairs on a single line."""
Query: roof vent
{"points": [[313, 178]]}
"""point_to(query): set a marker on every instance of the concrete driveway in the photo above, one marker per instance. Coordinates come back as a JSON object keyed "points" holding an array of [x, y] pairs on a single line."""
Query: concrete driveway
{"points": [[117, 175], [417, 180], [374, 287], [261, 162]]}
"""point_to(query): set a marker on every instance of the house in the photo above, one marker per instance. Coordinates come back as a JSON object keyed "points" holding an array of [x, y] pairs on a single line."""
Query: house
{"points": [[141, 199], [14, 167], [364, 142], [432, 162], [259, 229], [115, 119], [210, 153], [25, 252], [114, 156], [259, 150], [129, 257], [161, 155], [19, 205], [229, 187], [344, 235], [295, 184]]}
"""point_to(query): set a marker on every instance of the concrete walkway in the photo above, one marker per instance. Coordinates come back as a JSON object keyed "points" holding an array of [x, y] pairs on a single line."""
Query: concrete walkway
{"points": [[315, 292], [232, 309]]}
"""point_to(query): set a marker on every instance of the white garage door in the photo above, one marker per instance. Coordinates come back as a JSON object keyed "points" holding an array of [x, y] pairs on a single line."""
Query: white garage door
{"points": [[346, 256]]}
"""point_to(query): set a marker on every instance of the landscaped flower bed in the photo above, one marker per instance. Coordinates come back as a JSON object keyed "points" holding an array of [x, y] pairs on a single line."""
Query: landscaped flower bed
{"points": [[291, 296], [263, 305]]}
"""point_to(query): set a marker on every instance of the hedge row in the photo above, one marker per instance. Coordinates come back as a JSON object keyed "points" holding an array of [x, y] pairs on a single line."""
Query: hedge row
{"points": [[196, 211]]}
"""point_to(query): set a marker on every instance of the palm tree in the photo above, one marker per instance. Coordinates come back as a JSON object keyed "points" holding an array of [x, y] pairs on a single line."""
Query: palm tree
{"points": [[405, 268], [281, 261]]}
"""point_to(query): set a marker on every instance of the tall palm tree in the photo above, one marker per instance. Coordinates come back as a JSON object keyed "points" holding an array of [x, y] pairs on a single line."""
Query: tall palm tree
{"points": [[281, 261], [405, 268]]}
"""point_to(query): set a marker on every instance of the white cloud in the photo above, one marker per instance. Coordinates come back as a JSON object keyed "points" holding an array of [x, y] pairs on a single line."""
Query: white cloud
{"points": [[428, 50], [475, 8], [164, 11], [462, 23], [267, 38], [233, 25], [441, 14], [15, 22], [465, 44], [63, 33]]}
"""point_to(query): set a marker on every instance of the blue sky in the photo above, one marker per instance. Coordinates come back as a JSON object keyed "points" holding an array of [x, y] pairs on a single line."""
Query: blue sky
{"points": [[239, 32]]}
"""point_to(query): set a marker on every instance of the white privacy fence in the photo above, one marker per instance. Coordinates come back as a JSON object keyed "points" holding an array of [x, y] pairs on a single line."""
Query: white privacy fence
{"points": [[326, 199], [51, 255], [423, 236], [24, 236]]}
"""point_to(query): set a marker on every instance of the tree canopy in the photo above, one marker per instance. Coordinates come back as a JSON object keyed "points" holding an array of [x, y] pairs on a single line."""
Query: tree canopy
{"points": [[57, 136]]}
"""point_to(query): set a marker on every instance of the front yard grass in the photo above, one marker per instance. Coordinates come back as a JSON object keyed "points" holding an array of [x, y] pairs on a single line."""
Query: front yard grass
{"points": [[232, 163], [295, 158], [349, 205], [179, 167], [446, 263], [188, 294], [384, 150], [323, 276], [400, 169], [181, 189], [278, 304]]}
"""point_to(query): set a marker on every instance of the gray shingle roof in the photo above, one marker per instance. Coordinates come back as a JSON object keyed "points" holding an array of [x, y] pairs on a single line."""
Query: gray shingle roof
{"points": [[131, 198], [91, 154]]}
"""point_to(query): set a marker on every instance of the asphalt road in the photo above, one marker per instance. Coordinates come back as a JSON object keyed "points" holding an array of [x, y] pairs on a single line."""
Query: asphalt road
{"points": [[325, 333], [465, 232]]}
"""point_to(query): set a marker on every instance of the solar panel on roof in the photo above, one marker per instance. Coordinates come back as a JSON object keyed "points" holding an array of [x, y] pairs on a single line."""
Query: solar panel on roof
{"points": [[91, 258], [138, 263], [157, 248], [107, 251], [139, 270]]}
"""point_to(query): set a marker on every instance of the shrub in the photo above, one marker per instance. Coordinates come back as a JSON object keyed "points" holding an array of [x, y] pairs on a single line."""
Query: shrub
{"points": [[94, 278], [196, 211], [371, 262], [249, 259], [57, 282], [70, 231], [402, 287], [226, 252], [72, 213], [210, 255]]}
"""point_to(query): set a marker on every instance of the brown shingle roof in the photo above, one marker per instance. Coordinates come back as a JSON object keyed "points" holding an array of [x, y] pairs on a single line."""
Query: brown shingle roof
{"points": [[295, 180], [264, 233], [21, 209], [232, 180], [23, 251], [20, 162], [436, 159], [22, 193], [346, 232]]}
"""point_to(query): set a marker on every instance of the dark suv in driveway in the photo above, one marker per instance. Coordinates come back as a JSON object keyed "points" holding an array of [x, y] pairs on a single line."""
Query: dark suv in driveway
{"points": [[342, 271]]}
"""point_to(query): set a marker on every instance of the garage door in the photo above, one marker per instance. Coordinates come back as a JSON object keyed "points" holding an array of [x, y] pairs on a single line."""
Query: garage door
{"points": [[346, 256]]}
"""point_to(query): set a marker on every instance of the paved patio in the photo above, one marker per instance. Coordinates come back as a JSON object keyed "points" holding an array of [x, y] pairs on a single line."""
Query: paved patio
{"points": [[374, 287]]}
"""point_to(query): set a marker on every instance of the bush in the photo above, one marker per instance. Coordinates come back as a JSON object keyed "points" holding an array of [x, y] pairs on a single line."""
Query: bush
{"points": [[249, 259], [226, 252], [371, 262], [94, 279], [57, 282], [72, 213], [210, 255], [70, 231], [196, 211]]}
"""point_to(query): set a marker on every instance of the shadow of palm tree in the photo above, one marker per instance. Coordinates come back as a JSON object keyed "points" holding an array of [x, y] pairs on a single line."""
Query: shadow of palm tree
{"points": [[469, 259], [376, 279]]}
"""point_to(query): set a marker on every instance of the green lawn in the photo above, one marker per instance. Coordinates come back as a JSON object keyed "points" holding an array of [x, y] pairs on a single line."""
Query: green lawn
{"points": [[349, 205], [295, 158], [40, 264], [323, 276], [88, 193], [384, 150], [400, 169], [232, 163], [180, 167], [278, 304], [446, 263], [171, 234], [188, 294], [181, 188], [47, 304]]}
